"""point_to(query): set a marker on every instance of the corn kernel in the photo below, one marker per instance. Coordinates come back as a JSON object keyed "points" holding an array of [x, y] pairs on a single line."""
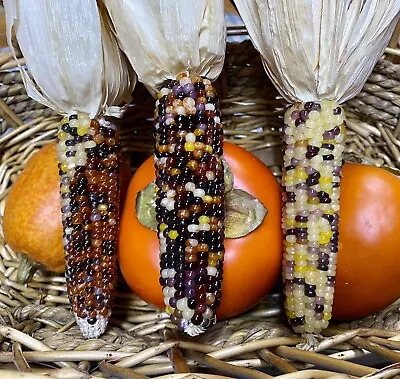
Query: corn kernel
{"points": [[207, 199], [169, 310], [173, 234], [204, 220], [189, 146], [163, 227]]}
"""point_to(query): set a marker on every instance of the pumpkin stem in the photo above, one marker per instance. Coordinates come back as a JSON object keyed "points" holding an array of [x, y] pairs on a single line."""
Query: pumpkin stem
{"points": [[26, 269]]}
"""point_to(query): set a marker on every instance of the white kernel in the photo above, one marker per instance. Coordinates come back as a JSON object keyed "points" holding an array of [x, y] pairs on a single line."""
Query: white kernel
{"points": [[89, 144], [190, 186], [184, 80], [171, 272], [164, 202], [217, 120], [193, 228], [212, 271], [164, 273], [190, 137], [205, 227], [210, 175], [171, 193], [198, 192], [193, 242], [165, 91], [210, 107], [166, 300], [170, 204], [181, 304], [188, 314]]}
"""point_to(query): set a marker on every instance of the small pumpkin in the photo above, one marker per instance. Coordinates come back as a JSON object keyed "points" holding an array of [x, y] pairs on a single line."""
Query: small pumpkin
{"points": [[32, 215]]}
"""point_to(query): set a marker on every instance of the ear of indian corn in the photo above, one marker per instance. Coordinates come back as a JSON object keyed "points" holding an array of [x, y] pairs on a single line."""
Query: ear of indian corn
{"points": [[314, 135], [190, 200], [88, 153]]}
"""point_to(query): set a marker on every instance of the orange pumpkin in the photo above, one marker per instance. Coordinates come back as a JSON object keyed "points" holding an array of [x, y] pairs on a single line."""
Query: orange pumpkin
{"points": [[368, 266], [32, 215]]}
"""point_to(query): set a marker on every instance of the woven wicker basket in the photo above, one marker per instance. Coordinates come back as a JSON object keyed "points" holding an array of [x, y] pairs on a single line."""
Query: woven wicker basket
{"points": [[38, 335]]}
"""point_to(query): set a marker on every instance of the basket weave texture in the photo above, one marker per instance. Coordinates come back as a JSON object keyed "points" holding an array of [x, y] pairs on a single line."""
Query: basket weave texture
{"points": [[37, 329]]}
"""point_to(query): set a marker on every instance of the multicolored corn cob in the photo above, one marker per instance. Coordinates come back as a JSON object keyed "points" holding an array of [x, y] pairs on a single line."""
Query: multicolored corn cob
{"points": [[190, 200], [314, 134], [88, 153]]}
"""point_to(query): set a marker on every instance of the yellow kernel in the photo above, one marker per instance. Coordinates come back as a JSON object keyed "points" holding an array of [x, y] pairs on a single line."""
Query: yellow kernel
{"points": [[62, 136], [204, 220], [329, 211], [300, 257], [208, 149], [290, 300], [212, 262], [300, 173], [325, 179], [64, 189], [291, 314], [301, 225], [173, 234], [199, 132], [175, 171], [64, 167], [300, 269], [290, 222], [102, 207], [301, 143], [207, 199], [288, 244], [81, 130], [313, 200], [189, 146], [325, 237], [169, 310], [163, 227], [64, 121], [329, 141], [327, 316]]}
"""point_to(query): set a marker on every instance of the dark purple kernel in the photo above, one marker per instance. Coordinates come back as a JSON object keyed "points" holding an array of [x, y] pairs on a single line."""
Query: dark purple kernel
{"points": [[319, 308], [308, 105], [337, 111], [328, 146], [336, 130], [299, 281], [328, 135], [316, 107], [197, 319], [299, 218], [172, 302], [328, 157], [298, 321], [299, 121], [91, 320], [304, 115], [192, 303]]}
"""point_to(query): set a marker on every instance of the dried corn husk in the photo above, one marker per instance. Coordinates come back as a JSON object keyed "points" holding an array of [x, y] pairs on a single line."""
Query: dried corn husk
{"points": [[319, 49], [71, 54], [165, 37]]}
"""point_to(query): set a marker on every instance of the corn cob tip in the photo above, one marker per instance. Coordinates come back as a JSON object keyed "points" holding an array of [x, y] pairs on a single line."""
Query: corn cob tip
{"points": [[194, 330], [92, 331]]}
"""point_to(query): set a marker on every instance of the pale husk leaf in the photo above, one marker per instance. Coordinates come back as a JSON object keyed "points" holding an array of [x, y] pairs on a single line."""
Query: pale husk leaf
{"points": [[71, 54], [319, 49], [165, 37]]}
